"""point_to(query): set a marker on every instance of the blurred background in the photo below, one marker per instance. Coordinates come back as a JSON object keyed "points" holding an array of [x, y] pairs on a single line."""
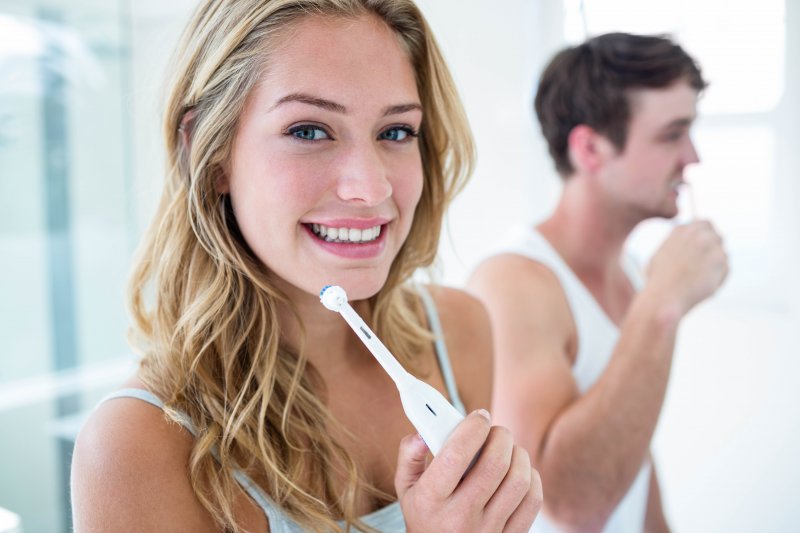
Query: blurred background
{"points": [[81, 171]]}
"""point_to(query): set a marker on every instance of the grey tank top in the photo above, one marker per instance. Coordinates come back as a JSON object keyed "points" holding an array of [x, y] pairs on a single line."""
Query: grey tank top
{"points": [[388, 519]]}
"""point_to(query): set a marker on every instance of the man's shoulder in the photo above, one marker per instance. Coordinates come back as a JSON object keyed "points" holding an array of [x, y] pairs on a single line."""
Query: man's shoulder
{"points": [[516, 274]]}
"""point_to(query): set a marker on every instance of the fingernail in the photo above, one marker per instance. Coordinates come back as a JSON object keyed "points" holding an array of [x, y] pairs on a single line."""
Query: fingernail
{"points": [[485, 414]]}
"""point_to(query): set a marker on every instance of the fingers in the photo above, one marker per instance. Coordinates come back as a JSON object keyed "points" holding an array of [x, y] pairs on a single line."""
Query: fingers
{"points": [[692, 241], [712, 246], [708, 233], [447, 468], [526, 512], [689, 266], [490, 469], [515, 487], [501, 492], [411, 463]]}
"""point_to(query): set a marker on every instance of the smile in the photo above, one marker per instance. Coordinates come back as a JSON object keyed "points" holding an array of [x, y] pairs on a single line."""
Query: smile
{"points": [[345, 235]]}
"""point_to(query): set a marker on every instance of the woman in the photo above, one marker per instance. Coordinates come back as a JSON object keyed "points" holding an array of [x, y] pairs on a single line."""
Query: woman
{"points": [[310, 142]]}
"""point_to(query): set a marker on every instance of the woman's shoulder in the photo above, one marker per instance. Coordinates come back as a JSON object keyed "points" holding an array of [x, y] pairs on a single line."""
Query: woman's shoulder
{"points": [[468, 337], [129, 457], [454, 304], [132, 428]]}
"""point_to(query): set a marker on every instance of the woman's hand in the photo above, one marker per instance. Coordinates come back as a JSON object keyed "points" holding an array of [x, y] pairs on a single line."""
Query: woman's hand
{"points": [[501, 492]]}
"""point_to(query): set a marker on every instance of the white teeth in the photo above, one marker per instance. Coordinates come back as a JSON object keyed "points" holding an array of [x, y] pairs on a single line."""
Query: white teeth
{"points": [[346, 234]]}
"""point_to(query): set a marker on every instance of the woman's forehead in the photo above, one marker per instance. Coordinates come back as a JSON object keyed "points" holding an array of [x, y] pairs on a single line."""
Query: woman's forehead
{"points": [[357, 64]]}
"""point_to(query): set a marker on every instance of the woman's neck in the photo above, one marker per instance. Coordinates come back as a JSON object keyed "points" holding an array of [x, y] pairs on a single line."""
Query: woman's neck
{"points": [[326, 338]]}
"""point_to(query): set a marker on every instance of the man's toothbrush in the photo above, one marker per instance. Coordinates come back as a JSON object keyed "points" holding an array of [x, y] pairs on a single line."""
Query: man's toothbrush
{"points": [[430, 413]]}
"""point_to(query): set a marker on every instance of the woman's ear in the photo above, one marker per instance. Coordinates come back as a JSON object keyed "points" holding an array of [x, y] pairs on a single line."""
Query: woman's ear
{"points": [[186, 128], [221, 184]]}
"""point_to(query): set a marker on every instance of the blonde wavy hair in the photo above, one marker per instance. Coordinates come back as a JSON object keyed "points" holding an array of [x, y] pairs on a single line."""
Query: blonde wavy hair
{"points": [[205, 314]]}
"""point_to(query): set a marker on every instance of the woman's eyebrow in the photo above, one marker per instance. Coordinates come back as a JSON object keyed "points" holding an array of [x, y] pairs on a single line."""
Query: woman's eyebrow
{"points": [[402, 108], [328, 105]]}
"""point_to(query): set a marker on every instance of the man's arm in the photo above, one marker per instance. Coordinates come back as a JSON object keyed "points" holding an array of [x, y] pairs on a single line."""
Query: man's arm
{"points": [[589, 449], [655, 521]]}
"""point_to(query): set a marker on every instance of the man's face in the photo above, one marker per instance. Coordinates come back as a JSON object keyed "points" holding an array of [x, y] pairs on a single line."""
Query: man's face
{"points": [[644, 177]]}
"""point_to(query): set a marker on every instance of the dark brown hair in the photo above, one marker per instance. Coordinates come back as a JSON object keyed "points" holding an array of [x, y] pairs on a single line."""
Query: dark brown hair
{"points": [[590, 84]]}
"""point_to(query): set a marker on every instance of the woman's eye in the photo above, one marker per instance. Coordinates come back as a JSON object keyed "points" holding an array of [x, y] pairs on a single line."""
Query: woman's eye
{"points": [[397, 134], [308, 133]]}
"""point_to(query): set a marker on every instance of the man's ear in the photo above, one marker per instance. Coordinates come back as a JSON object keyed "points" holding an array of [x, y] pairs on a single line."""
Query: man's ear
{"points": [[587, 149]]}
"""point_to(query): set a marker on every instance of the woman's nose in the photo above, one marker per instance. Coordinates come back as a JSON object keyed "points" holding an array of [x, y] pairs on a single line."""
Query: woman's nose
{"points": [[363, 176]]}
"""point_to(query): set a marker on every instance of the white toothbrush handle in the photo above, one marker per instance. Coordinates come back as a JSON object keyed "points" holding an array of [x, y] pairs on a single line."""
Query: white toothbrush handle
{"points": [[430, 413], [373, 344]]}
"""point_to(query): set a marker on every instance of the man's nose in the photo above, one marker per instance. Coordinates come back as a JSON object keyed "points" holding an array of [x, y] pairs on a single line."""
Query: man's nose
{"points": [[691, 155]]}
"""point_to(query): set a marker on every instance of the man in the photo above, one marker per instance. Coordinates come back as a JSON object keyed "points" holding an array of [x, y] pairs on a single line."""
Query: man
{"points": [[583, 352]]}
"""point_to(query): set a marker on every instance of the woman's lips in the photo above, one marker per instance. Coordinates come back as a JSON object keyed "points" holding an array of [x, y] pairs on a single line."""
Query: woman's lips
{"points": [[343, 241]]}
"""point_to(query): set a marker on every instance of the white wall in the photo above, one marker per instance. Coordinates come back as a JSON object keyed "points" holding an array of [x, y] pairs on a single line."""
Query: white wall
{"points": [[496, 56], [156, 29]]}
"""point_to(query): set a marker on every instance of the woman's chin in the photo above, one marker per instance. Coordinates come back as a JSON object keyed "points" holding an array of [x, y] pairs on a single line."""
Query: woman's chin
{"points": [[358, 286]]}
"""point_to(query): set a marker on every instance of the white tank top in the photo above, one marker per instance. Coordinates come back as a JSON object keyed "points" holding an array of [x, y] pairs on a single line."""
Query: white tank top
{"points": [[597, 336]]}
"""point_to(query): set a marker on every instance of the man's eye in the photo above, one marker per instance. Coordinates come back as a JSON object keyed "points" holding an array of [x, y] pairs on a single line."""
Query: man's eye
{"points": [[397, 134], [308, 133], [673, 136]]}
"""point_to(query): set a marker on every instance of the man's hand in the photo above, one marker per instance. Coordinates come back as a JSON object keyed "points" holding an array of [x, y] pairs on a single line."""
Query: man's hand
{"points": [[689, 266]]}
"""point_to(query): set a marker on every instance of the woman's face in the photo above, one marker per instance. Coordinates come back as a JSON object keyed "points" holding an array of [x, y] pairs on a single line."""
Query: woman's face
{"points": [[325, 172]]}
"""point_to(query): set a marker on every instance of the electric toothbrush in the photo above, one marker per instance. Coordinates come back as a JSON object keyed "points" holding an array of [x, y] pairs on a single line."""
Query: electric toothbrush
{"points": [[430, 413]]}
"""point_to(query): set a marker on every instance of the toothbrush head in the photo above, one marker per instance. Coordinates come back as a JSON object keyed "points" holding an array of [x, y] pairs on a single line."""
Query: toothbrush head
{"points": [[333, 297]]}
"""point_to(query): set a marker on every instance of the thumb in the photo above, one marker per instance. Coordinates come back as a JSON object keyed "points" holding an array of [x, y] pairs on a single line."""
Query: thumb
{"points": [[411, 463]]}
